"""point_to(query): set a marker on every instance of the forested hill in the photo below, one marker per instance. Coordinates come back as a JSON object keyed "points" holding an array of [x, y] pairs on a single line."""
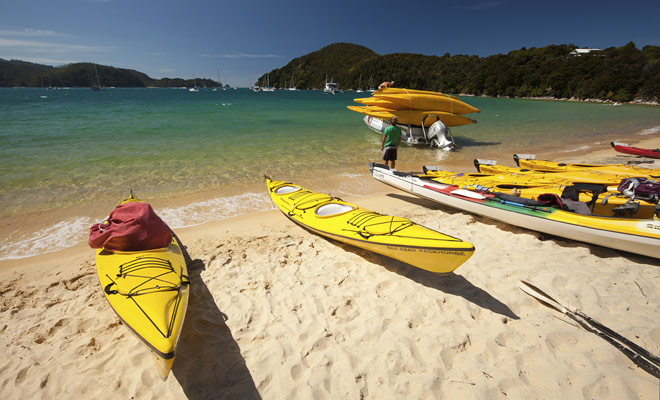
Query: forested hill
{"points": [[20, 73], [337, 62], [620, 74]]}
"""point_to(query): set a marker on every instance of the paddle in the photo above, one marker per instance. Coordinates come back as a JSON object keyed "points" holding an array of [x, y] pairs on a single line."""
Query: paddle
{"points": [[640, 356]]}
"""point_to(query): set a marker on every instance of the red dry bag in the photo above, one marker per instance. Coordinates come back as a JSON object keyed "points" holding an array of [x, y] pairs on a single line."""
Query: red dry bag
{"points": [[132, 226]]}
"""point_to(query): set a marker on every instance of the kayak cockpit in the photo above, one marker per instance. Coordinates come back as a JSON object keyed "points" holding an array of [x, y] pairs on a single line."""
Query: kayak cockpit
{"points": [[333, 209]]}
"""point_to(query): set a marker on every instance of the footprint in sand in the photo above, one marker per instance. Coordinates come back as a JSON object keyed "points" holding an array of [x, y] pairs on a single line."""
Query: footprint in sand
{"points": [[384, 288]]}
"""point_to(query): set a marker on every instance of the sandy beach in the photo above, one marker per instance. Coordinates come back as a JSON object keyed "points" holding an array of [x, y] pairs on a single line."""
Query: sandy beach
{"points": [[277, 312]]}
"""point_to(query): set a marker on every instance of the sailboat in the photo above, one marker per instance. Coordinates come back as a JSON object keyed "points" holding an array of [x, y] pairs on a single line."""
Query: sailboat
{"points": [[221, 86], [97, 84], [291, 86], [268, 88], [194, 88], [359, 89]]}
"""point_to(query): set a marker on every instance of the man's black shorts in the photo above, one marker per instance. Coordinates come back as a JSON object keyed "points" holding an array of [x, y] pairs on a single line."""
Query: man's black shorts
{"points": [[389, 154]]}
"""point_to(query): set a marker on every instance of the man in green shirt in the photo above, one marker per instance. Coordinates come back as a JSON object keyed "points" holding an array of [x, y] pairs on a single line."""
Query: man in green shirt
{"points": [[391, 141]]}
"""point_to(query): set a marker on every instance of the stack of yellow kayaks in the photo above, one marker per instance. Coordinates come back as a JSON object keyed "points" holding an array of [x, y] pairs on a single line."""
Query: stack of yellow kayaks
{"points": [[414, 117], [539, 177], [635, 234], [412, 107], [149, 292], [395, 237]]}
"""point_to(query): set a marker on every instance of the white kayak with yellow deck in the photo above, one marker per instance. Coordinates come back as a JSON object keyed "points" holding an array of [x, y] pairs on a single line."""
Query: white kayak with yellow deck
{"points": [[395, 237], [149, 291], [635, 235]]}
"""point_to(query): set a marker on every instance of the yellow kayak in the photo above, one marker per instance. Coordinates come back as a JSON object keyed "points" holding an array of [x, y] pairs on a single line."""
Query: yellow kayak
{"points": [[420, 101], [414, 117], [373, 101], [545, 165], [149, 291], [530, 186], [510, 180], [412, 91], [584, 176], [394, 237], [378, 102]]}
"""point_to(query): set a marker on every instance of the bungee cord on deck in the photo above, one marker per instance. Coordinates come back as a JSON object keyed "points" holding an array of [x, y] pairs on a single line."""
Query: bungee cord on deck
{"points": [[159, 285]]}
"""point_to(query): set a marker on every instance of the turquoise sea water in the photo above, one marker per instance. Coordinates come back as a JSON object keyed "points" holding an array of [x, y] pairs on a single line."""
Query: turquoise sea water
{"points": [[68, 156]]}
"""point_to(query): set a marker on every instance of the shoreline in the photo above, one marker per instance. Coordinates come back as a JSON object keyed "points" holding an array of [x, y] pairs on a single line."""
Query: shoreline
{"points": [[571, 99], [50, 222], [574, 100]]}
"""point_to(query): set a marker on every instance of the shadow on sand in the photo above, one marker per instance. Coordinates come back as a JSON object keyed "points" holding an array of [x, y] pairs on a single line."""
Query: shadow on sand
{"points": [[447, 283], [209, 364]]}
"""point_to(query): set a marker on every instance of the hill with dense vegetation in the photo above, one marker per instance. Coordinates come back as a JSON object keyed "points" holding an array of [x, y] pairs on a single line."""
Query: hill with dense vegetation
{"points": [[20, 73], [337, 62], [619, 74]]}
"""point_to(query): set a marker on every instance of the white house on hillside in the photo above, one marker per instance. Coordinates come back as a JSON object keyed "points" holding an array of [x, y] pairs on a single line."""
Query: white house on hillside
{"points": [[579, 52]]}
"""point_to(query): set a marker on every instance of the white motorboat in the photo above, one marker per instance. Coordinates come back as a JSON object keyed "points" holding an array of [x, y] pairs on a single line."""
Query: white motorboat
{"points": [[331, 87], [437, 135]]}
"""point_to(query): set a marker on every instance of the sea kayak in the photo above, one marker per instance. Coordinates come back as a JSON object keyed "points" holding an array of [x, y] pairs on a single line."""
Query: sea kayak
{"points": [[639, 236], [529, 161], [624, 148], [148, 290], [393, 90], [394, 237], [420, 101], [567, 177]]}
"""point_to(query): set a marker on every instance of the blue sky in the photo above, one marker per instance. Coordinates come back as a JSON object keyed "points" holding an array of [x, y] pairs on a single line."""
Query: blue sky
{"points": [[240, 40]]}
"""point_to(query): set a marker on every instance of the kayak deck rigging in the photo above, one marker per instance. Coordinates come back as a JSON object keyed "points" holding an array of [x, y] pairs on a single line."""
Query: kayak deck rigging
{"points": [[150, 284]]}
